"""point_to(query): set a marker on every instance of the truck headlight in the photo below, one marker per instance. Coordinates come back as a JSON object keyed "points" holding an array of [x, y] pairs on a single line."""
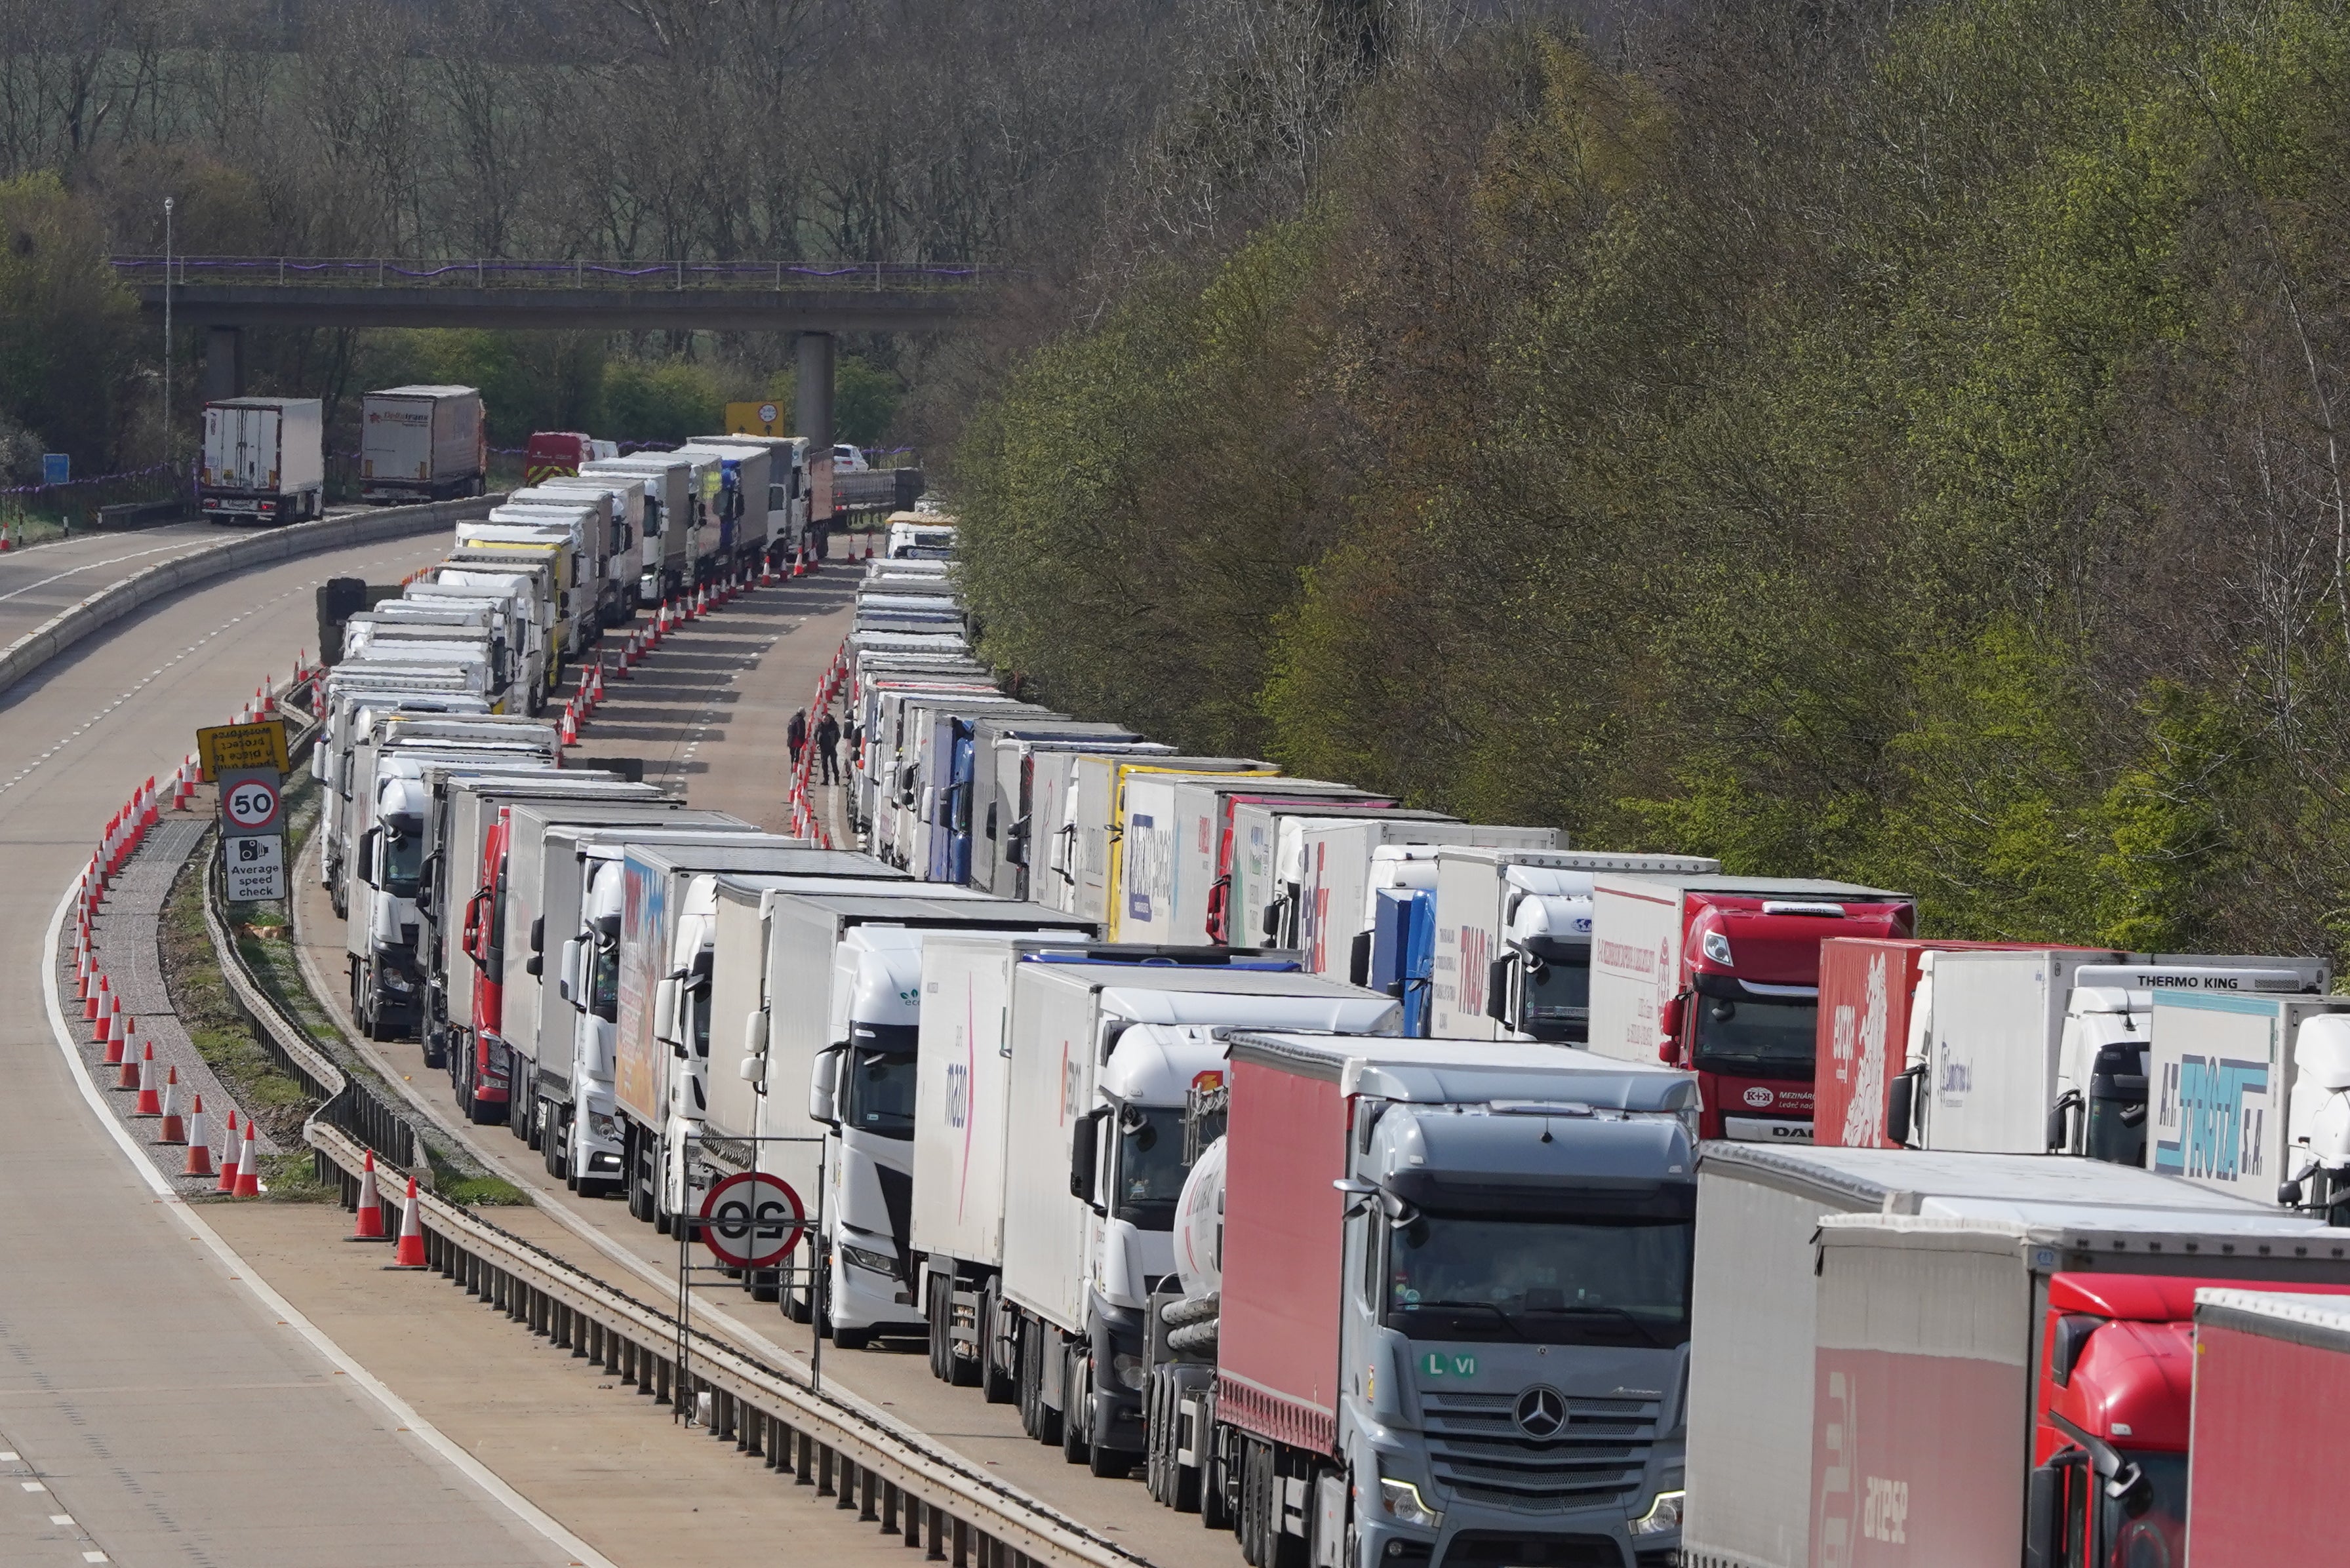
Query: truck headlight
{"points": [[872, 1263], [603, 1126], [1402, 1499], [1664, 1515], [1128, 1369], [1716, 948]]}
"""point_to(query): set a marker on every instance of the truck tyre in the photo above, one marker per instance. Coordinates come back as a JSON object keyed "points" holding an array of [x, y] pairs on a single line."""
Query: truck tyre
{"points": [[1076, 1408], [939, 1313], [1215, 1496], [995, 1387]]}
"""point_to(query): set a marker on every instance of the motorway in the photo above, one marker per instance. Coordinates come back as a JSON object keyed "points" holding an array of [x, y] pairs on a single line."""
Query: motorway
{"points": [[155, 1405]]}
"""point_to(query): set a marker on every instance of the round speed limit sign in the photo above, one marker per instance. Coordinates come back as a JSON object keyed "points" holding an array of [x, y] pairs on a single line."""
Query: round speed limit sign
{"points": [[250, 803], [752, 1221]]}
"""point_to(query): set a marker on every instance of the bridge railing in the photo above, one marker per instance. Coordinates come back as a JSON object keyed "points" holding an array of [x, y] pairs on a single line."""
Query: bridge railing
{"points": [[500, 272]]}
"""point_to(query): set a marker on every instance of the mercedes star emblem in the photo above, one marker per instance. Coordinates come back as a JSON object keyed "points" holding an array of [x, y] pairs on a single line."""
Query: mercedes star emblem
{"points": [[1541, 1412]]}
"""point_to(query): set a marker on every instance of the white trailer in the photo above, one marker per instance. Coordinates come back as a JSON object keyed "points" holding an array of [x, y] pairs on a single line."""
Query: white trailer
{"points": [[264, 460], [1513, 947], [422, 444], [1326, 894], [663, 563], [624, 545], [1126, 854], [1091, 1042]]}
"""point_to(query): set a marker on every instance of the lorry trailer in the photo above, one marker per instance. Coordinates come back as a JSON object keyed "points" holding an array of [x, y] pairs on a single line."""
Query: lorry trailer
{"points": [[264, 460], [422, 444]]}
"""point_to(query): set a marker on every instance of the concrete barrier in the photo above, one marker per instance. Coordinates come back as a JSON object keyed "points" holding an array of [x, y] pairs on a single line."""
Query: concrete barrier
{"points": [[119, 599]]}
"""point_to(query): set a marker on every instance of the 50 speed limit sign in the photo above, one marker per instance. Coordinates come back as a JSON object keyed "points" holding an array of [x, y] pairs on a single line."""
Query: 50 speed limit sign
{"points": [[251, 801], [753, 1220]]}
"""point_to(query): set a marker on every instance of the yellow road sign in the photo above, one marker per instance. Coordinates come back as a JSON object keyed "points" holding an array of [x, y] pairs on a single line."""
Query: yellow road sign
{"points": [[261, 745], [765, 419]]}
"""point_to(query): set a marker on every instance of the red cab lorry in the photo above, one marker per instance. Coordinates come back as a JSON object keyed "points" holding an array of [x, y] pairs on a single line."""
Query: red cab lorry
{"points": [[485, 944], [1910, 1356], [554, 455], [2272, 1379], [1721, 974]]}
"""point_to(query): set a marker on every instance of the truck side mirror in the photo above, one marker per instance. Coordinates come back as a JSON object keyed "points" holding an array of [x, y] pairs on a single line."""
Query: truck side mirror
{"points": [[370, 853], [822, 1106], [1085, 1152], [2043, 1516], [1497, 992], [537, 934], [2060, 1121], [534, 965], [1668, 1019], [1900, 1100], [1358, 960], [665, 1000], [570, 966], [753, 1066], [1270, 925]]}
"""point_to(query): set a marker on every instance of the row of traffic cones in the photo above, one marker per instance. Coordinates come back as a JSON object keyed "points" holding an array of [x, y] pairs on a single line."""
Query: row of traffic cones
{"points": [[368, 1224], [671, 615]]}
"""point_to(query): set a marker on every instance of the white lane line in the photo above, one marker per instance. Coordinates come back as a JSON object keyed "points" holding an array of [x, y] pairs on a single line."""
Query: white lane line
{"points": [[93, 566]]}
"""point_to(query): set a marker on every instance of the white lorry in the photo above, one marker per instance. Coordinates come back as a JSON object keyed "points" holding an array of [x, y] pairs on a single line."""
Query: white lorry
{"points": [[1103, 1058], [840, 1015], [422, 444], [662, 1009], [663, 564], [1513, 947], [1325, 900], [624, 546], [264, 460], [563, 504]]}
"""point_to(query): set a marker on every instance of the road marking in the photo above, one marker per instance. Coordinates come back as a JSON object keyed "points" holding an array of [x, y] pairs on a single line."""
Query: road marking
{"points": [[92, 565], [431, 1436]]}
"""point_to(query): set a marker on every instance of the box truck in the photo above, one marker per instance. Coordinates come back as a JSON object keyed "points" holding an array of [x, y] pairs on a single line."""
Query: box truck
{"points": [[1721, 974], [1327, 909], [1126, 855], [422, 444], [1001, 789], [264, 460], [662, 561], [1514, 939], [1435, 1306], [2221, 1074], [1896, 1355], [1103, 1060], [2004, 1048], [1262, 865], [623, 498], [1172, 834]]}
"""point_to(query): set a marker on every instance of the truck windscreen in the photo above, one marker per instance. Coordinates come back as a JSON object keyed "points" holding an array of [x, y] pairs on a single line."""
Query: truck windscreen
{"points": [[881, 1092], [1753, 1039], [1151, 1168], [2158, 1537], [403, 854], [1541, 1281], [1557, 987]]}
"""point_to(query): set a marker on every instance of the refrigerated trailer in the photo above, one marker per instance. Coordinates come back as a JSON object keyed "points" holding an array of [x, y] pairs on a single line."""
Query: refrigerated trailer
{"points": [[1888, 1346], [264, 460], [1327, 911], [422, 444]]}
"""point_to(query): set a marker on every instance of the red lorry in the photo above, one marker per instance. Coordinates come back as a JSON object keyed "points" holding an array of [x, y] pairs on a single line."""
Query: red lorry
{"points": [[2271, 1377], [552, 455], [1721, 974]]}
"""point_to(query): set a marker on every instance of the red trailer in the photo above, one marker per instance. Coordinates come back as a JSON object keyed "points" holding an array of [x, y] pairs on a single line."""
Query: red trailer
{"points": [[552, 455], [2272, 1374]]}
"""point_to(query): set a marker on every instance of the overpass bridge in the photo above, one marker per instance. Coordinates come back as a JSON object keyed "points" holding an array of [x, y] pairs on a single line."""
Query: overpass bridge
{"points": [[813, 300]]}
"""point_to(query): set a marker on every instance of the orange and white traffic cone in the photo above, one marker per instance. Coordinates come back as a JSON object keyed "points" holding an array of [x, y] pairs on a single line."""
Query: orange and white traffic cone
{"points": [[249, 1166], [367, 1225], [410, 1252], [147, 813], [229, 1149], [150, 1097], [95, 1002], [112, 1029], [200, 1141], [174, 1129], [570, 725]]}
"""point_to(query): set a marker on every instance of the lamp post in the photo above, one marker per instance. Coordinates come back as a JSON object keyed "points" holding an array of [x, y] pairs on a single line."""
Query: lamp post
{"points": [[167, 329]]}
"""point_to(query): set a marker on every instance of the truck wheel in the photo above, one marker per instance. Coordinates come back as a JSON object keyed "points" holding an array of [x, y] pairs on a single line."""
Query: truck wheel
{"points": [[1076, 1408], [939, 1314], [1215, 1499], [520, 1114], [995, 1387]]}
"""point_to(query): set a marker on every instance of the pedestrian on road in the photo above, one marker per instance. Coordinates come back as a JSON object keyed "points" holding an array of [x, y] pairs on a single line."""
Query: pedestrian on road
{"points": [[827, 744], [796, 736]]}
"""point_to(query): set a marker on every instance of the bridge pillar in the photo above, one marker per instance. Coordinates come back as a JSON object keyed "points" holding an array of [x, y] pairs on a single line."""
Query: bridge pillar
{"points": [[811, 416], [223, 363]]}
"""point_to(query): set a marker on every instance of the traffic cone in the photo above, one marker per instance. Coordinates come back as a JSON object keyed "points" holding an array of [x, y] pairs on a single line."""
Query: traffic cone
{"points": [[150, 1100], [110, 1022], [249, 1166], [368, 1223], [95, 1002], [228, 1158], [268, 696], [570, 725], [128, 1077], [146, 813], [174, 1129], [410, 1254], [200, 1141]]}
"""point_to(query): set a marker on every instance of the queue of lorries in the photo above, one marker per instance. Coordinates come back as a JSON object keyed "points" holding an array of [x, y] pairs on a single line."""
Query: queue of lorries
{"points": [[1385, 1188]]}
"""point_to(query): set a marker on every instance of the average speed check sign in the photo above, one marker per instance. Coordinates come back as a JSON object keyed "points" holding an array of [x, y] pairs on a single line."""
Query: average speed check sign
{"points": [[752, 1220]]}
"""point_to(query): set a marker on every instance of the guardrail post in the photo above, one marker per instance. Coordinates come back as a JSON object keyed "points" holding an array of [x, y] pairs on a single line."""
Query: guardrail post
{"points": [[865, 1498], [933, 1516], [664, 1382], [962, 1543], [805, 1445], [823, 1473], [889, 1507]]}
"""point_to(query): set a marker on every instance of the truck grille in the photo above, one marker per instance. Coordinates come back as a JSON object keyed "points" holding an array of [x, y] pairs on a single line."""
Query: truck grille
{"points": [[1478, 1451]]}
